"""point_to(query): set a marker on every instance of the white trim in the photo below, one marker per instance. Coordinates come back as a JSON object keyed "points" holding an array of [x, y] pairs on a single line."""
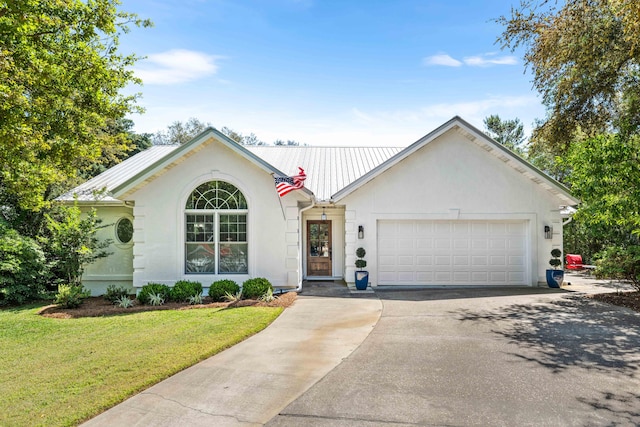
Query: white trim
{"points": [[181, 229]]}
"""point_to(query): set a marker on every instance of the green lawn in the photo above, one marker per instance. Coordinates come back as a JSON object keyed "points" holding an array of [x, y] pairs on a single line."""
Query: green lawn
{"points": [[58, 372]]}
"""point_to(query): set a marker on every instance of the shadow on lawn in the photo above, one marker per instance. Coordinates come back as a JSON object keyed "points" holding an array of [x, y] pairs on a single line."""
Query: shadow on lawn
{"points": [[576, 332]]}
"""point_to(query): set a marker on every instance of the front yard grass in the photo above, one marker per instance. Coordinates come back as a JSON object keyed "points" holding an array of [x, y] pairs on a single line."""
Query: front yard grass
{"points": [[59, 372]]}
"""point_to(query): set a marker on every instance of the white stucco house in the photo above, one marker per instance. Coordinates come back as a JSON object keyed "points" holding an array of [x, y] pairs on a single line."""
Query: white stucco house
{"points": [[455, 208]]}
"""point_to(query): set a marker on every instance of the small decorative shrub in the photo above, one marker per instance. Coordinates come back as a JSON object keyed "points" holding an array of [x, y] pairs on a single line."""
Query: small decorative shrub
{"points": [[184, 289], [230, 297], [124, 302], [268, 297], [155, 299], [219, 289], [115, 293], [71, 296], [195, 299], [555, 260], [360, 262], [256, 287], [154, 288]]}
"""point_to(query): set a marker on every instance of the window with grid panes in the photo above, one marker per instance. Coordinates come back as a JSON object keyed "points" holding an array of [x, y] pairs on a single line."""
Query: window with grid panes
{"points": [[216, 230]]}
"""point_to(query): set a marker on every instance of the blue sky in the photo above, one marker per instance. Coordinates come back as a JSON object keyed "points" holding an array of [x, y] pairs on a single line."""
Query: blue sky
{"points": [[324, 72]]}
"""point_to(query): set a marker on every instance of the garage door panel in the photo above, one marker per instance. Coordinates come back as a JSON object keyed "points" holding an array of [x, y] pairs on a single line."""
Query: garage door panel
{"points": [[424, 260], [452, 252], [406, 276]]}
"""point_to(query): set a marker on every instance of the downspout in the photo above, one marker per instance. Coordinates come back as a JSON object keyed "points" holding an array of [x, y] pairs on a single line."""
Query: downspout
{"points": [[301, 232]]}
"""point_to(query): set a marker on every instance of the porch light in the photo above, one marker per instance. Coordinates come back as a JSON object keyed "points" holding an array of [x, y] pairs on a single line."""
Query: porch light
{"points": [[361, 232], [548, 232], [323, 216]]}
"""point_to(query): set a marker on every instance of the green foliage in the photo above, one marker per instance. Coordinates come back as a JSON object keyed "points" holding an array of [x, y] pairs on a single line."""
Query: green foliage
{"points": [[61, 74], [116, 293], [124, 302], [584, 56], [606, 177], [71, 296], [22, 268], [268, 296], [509, 133], [156, 299], [219, 289], [255, 288], [195, 299], [71, 242], [233, 297], [360, 262], [620, 263], [154, 288], [184, 289], [555, 260]]}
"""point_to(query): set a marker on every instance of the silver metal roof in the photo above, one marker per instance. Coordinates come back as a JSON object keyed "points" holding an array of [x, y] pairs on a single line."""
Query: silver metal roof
{"points": [[116, 175], [328, 169]]}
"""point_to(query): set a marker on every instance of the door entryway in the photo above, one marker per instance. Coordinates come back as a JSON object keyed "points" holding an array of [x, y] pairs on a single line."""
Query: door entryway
{"points": [[319, 253]]}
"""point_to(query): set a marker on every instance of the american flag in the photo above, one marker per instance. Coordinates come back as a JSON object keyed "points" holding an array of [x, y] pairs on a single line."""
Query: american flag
{"points": [[286, 184]]}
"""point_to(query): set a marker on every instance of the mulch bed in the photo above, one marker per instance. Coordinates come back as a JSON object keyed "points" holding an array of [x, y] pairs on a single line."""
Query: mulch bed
{"points": [[625, 299], [98, 307]]}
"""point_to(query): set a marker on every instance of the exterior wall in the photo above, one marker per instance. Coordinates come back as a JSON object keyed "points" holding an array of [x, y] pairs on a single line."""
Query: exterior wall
{"points": [[117, 268], [159, 224], [451, 178], [336, 216]]}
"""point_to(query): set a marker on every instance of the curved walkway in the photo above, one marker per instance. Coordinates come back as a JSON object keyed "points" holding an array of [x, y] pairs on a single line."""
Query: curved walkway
{"points": [[458, 357], [253, 381]]}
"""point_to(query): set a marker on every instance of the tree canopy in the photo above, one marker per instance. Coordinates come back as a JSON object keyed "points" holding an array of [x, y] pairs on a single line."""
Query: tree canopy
{"points": [[584, 55], [509, 133], [60, 77]]}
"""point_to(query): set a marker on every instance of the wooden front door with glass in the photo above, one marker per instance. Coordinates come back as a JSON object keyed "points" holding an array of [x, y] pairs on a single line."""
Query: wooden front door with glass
{"points": [[319, 248]]}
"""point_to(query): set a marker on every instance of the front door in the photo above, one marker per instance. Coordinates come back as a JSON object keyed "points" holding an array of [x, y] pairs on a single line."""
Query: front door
{"points": [[319, 248]]}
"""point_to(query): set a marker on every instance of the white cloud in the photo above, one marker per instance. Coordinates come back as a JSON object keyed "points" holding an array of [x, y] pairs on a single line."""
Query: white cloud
{"points": [[176, 66], [488, 60], [482, 60], [441, 59]]}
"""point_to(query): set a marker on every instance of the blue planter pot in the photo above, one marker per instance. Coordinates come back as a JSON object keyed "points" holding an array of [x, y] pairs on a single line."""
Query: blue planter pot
{"points": [[362, 279], [555, 278]]}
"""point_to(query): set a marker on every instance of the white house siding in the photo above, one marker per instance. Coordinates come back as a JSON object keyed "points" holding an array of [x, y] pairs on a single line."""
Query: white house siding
{"points": [[117, 268], [452, 179], [159, 224]]}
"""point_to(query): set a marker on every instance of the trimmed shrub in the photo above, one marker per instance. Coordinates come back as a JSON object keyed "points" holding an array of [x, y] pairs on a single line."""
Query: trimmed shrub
{"points": [[184, 289], [256, 287], [71, 296], [22, 268], [154, 288], [115, 293], [219, 289]]}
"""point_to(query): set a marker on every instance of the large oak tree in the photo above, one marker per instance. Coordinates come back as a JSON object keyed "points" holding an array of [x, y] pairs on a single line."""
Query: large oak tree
{"points": [[585, 57], [60, 80]]}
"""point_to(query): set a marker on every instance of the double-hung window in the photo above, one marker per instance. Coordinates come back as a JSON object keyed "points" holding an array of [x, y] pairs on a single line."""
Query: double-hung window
{"points": [[216, 230]]}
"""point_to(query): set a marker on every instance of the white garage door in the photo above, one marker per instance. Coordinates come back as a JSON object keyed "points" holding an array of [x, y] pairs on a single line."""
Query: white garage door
{"points": [[452, 253]]}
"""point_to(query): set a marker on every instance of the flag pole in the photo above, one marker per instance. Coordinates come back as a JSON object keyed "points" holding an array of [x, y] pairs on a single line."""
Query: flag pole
{"points": [[280, 202]]}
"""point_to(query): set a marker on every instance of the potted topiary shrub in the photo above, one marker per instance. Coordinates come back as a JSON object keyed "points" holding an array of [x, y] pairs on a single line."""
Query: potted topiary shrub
{"points": [[362, 276], [555, 275]]}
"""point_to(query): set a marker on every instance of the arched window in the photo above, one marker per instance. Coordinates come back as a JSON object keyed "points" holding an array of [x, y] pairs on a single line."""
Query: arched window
{"points": [[216, 230]]}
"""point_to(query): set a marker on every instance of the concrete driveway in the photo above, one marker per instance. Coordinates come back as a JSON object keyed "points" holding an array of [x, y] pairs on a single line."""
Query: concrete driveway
{"points": [[516, 357], [490, 357]]}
